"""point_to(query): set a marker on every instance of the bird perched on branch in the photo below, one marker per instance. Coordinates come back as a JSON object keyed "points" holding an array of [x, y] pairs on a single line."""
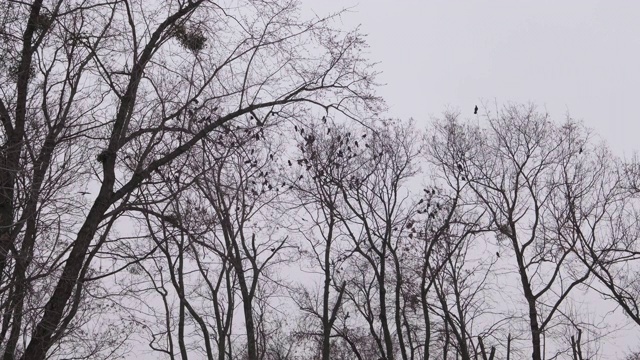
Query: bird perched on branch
{"points": [[475, 110]]}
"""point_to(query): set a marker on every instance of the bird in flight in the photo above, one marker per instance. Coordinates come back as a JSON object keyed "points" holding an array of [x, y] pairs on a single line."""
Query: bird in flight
{"points": [[475, 110]]}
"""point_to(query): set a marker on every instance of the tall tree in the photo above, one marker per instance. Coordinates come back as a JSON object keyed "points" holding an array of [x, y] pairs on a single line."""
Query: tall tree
{"points": [[376, 211], [139, 84], [527, 173], [319, 201]]}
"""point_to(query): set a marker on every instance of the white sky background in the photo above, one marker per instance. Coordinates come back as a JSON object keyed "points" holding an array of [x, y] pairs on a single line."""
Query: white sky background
{"points": [[580, 57], [576, 57]]}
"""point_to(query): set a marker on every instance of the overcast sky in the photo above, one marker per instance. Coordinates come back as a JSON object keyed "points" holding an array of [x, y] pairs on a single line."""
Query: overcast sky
{"points": [[577, 57], [581, 57]]}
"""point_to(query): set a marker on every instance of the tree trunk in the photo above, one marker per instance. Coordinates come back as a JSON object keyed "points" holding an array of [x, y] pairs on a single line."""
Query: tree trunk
{"points": [[533, 315], [384, 321]]}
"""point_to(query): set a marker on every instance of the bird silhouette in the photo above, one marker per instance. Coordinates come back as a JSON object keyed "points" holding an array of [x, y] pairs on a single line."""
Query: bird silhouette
{"points": [[475, 110]]}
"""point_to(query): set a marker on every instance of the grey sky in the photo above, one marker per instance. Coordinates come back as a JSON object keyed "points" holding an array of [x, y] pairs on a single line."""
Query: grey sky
{"points": [[577, 56]]}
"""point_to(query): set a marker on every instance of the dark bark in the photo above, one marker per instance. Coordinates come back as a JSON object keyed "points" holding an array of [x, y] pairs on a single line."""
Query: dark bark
{"points": [[384, 321], [12, 149], [41, 339], [531, 302], [329, 318]]}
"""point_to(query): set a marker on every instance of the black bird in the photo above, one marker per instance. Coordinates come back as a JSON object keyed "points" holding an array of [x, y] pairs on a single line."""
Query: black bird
{"points": [[475, 110], [310, 139], [460, 167], [580, 152], [497, 254]]}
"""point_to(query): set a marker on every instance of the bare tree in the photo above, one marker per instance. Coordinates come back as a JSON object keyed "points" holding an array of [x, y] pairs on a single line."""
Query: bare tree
{"points": [[462, 291], [376, 214], [318, 201], [151, 183], [522, 169], [612, 256], [218, 236], [438, 258], [141, 83], [240, 189]]}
